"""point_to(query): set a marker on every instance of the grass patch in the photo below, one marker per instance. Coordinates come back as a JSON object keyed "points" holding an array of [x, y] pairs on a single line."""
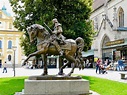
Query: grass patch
{"points": [[8, 86], [106, 87]]}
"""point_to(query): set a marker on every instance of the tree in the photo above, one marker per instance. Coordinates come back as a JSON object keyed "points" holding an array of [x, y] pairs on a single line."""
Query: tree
{"points": [[72, 14], [26, 46]]}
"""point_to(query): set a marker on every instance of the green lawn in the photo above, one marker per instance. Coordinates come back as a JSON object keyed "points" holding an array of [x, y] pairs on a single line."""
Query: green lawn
{"points": [[107, 87], [8, 86]]}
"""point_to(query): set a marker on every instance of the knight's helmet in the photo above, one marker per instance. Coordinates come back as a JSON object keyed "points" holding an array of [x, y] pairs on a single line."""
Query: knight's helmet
{"points": [[54, 20]]}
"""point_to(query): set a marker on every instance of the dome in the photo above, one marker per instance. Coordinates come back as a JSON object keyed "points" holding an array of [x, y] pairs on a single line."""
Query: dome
{"points": [[4, 8]]}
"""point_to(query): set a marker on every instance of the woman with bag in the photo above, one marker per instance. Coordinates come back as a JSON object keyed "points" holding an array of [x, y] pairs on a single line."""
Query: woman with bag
{"points": [[98, 65]]}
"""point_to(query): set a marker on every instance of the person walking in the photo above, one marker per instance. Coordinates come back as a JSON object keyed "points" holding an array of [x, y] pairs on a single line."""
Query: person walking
{"points": [[4, 68], [98, 65], [87, 63], [120, 65], [0, 65]]}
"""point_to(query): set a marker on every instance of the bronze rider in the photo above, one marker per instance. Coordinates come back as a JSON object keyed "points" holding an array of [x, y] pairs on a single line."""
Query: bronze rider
{"points": [[58, 38]]}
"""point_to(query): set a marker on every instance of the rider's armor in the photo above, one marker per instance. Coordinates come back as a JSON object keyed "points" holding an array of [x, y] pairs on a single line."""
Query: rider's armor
{"points": [[58, 37]]}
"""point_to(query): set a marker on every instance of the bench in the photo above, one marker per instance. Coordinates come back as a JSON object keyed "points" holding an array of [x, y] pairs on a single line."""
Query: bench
{"points": [[123, 75]]}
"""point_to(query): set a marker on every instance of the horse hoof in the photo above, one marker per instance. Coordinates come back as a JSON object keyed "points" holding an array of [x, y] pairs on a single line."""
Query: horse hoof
{"points": [[44, 74], [23, 64], [69, 74], [60, 73], [79, 68]]}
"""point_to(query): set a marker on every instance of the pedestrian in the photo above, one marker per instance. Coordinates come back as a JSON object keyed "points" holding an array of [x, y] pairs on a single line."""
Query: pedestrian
{"points": [[120, 65], [4, 68], [98, 65], [87, 63], [0, 65]]}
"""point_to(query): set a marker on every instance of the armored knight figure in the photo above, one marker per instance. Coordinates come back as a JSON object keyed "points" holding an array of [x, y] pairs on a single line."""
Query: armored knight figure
{"points": [[57, 36]]}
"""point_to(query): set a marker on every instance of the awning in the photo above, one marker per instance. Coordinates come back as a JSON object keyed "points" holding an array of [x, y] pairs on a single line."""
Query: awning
{"points": [[88, 53], [122, 29]]}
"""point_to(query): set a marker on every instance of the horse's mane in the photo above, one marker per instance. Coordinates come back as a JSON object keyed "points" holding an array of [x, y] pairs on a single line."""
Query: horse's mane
{"points": [[39, 27]]}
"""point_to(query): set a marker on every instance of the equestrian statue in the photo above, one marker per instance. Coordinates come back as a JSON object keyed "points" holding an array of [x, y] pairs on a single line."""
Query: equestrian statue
{"points": [[55, 43]]}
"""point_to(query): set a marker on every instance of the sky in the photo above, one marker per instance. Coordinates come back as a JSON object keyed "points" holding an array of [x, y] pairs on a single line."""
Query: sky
{"points": [[7, 5]]}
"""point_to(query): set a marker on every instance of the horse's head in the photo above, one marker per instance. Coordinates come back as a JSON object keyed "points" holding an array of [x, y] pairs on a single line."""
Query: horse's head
{"points": [[33, 31]]}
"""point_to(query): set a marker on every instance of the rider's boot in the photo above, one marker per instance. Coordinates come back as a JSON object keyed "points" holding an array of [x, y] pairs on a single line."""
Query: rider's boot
{"points": [[58, 48]]}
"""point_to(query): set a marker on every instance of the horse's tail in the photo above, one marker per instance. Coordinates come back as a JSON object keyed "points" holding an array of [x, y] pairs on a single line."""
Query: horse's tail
{"points": [[80, 44]]}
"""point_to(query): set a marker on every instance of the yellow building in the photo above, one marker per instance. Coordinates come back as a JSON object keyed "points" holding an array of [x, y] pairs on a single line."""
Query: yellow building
{"points": [[9, 37]]}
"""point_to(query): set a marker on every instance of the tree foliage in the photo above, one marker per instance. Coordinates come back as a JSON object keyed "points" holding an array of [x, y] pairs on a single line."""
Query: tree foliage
{"points": [[26, 46], [72, 14]]}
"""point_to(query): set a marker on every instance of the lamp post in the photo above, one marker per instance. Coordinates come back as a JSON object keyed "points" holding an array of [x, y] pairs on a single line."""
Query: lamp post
{"points": [[14, 49]]}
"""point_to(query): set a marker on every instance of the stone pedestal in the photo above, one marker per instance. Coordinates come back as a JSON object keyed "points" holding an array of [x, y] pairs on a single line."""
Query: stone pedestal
{"points": [[55, 87]]}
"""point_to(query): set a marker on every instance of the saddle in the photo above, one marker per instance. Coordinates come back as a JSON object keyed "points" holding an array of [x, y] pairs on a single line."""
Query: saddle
{"points": [[43, 44], [66, 46]]}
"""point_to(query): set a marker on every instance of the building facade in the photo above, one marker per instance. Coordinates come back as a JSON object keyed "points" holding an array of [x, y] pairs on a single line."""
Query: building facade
{"points": [[109, 21], [9, 37]]}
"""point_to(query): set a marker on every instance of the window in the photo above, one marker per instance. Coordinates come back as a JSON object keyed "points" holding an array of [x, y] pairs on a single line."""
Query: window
{"points": [[121, 17], [0, 24], [0, 54], [9, 44], [0, 44], [106, 39], [9, 57], [10, 26], [0, 15]]}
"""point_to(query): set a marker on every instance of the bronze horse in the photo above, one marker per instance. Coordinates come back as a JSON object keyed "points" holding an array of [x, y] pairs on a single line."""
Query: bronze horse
{"points": [[44, 47]]}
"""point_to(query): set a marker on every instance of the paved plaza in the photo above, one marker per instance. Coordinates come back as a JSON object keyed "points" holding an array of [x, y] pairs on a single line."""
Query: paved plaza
{"points": [[111, 75]]}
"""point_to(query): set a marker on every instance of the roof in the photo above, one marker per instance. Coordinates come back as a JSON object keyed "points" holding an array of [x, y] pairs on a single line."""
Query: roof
{"points": [[98, 3]]}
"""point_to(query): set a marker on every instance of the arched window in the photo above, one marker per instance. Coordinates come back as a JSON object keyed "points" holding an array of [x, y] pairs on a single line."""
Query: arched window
{"points": [[9, 57], [0, 44], [121, 17], [106, 39], [0, 24], [9, 44], [106, 53]]}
